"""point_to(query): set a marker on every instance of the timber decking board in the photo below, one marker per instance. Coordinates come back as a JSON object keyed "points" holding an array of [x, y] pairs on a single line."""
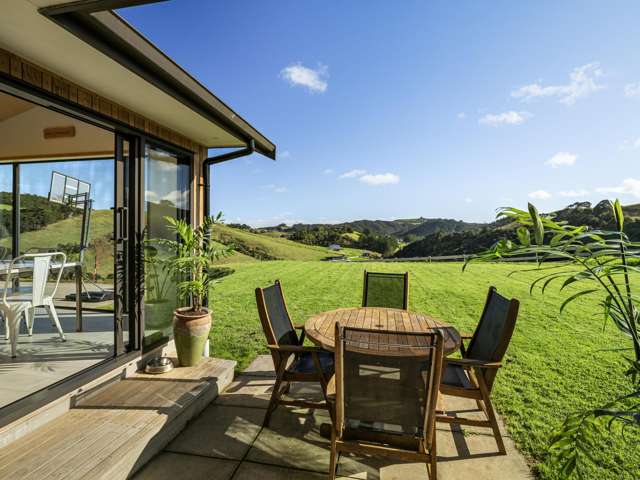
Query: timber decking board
{"points": [[320, 328], [108, 435]]}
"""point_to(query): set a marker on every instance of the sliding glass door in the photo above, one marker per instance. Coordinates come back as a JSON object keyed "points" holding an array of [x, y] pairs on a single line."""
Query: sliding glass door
{"points": [[167, 177]]}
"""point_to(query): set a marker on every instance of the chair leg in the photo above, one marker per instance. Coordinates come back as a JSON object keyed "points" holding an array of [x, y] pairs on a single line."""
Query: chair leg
{"points": [[495, 427], [30, 316], [13, 325], [273, 402], [333, 464], [51, 310], [6, 326], [433, 458], [287, 388]]}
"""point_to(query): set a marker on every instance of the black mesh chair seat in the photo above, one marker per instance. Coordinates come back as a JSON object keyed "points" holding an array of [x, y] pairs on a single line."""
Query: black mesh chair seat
{"points": [[483, 356], [388, 290], [456, 376], [292, 360], [385, 403], [305, 364]]}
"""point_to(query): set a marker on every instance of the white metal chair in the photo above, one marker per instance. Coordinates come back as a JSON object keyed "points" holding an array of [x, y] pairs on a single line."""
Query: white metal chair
{"points": [[13, 308]]}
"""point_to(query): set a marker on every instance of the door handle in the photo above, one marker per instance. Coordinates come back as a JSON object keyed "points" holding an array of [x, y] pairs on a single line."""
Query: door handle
{"points": [[122, 224]]}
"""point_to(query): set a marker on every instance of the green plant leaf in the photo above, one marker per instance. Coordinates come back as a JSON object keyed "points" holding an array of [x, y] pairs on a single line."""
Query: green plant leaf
{"points": [[576, 296], [618, 214], [538, 227]]}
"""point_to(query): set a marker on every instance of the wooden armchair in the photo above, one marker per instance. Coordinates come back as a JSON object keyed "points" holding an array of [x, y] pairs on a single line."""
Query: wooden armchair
{"points": [[386, 390], [293, 362], [390, 290], [472, 376]]}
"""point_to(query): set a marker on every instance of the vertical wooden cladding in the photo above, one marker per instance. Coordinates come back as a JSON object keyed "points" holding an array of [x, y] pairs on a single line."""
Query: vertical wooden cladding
{"points": [[5, 62], [18, 68]]}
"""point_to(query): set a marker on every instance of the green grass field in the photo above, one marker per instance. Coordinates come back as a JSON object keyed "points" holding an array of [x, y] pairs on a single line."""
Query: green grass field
{"points": [[555, 364]]}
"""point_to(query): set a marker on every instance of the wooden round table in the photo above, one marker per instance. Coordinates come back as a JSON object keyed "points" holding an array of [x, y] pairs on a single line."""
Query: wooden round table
{"points": [[320, 328]]}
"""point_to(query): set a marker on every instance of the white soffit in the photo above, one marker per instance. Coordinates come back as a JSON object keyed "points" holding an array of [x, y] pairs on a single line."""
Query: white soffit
{"points": [[27, 33]]}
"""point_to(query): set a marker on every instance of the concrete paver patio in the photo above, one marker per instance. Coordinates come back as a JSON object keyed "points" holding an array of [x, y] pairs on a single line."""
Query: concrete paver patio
{"points": [[227, 442]]}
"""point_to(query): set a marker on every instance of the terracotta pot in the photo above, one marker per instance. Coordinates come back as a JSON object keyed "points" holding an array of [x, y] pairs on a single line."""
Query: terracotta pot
{"points": [[190, 333]]}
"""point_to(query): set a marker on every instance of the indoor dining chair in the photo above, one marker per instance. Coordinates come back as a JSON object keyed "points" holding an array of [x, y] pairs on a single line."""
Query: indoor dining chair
{"points": [[390, 290], [386, 391], [15, 307], [473, 375], [293, 361]]}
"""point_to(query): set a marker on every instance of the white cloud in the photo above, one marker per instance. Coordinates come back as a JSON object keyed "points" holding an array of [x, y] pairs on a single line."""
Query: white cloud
{"points": [[574, 193], [300, 76], [462, 115], [540, 195], [582, 83], [353, 173], [562, 159], [468, 200], [328, 171], [505, 118], [632, 90], [284, 154], [630, 144], [629, 186], [380, 179], [274, 188]]}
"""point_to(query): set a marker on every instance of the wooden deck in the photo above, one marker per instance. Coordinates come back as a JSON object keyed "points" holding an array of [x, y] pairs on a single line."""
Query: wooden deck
{"points": [[113, 432]]}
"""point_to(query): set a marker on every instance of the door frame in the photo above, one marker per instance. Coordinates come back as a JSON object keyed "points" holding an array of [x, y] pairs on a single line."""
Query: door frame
{"points": [[135, 270]]}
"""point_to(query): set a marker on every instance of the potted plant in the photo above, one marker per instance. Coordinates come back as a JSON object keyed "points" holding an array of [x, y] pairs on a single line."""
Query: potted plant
{"points": [[195, 255]]}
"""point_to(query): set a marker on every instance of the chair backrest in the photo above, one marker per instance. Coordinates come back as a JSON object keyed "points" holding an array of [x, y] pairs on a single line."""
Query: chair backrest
{"points": [[40, 265], [393, 395], [493, 333], [390, 290], [274, 317]]}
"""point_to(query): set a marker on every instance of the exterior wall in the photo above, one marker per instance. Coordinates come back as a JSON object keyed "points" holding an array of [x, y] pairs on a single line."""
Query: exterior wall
{"points": [[17, 68]]}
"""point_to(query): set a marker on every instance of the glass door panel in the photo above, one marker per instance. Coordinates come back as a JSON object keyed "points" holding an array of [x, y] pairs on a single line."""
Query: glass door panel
{"points": [[167, 192]]}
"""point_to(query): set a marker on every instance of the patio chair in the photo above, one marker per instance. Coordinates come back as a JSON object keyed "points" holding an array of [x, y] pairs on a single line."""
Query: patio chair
{"points": [[386, 402], [472, 376], [16, 307], [293, 362], [390, 290]]}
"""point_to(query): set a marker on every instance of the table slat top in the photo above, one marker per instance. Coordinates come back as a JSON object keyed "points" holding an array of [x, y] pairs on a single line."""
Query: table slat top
{"points": [[320, 328]]}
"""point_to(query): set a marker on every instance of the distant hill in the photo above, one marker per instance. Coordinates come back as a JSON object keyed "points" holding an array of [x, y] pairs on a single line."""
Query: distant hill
{"points": [[475, 240], [400, 228]]}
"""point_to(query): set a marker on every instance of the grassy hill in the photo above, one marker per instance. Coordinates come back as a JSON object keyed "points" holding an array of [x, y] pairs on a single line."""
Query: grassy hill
{"points": [[267, 247], [67, 233]]}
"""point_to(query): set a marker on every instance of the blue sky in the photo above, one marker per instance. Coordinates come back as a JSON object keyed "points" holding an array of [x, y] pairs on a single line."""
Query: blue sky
{"points": [[35, 178], [435, 109]]}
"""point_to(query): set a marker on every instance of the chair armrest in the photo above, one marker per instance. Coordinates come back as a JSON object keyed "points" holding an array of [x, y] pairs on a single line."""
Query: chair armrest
{"points": [[466, 335], [299, 327], [293, 348], [470, 362]]}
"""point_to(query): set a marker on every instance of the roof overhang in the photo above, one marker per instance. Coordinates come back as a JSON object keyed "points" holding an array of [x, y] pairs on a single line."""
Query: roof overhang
{"points": [[125, 67]]}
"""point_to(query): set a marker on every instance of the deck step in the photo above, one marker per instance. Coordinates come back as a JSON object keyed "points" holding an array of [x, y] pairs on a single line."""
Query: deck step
{"points": [[114, 432]]}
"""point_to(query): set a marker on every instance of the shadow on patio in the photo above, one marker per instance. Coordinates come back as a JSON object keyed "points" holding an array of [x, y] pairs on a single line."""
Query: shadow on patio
{"points": [[227, 441]]}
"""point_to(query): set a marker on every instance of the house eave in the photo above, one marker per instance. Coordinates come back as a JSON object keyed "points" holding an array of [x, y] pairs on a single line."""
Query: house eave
{"points": [[108, 33]]}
